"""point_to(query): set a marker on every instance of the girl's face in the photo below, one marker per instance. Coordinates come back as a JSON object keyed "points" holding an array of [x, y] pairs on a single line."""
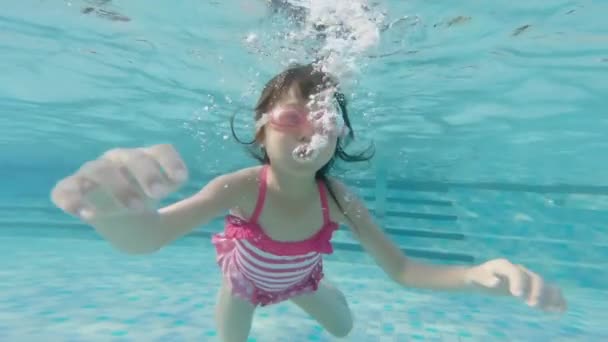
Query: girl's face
{"points": [[301, 134]]}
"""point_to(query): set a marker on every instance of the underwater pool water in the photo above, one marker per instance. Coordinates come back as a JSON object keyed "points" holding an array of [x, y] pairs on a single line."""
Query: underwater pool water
{"points": [[489, 124]]}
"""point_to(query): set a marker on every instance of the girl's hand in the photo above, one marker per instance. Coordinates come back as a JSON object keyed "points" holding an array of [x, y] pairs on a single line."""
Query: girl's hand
{"points": [[502, 277], [120, 183]]}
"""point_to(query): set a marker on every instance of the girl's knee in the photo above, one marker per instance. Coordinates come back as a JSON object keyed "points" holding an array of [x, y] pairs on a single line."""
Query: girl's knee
{"points": [[344, 324], [342, 329], [329, 307]]}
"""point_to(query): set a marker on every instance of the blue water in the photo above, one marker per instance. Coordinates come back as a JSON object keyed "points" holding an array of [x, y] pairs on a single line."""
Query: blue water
{"points": [[490, 127]]}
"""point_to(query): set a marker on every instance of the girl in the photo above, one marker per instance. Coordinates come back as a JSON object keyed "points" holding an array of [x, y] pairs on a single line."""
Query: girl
{"points": [[281, 214]]}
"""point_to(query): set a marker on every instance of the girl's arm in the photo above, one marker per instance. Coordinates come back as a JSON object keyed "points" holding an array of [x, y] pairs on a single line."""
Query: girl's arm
{"points": [[148, 231], [117, 194], [499, 275], [216, 197], [389, 256]]}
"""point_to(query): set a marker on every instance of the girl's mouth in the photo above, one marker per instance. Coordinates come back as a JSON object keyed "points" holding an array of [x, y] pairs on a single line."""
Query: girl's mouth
{"points": [[308, 152], [304, 153]]}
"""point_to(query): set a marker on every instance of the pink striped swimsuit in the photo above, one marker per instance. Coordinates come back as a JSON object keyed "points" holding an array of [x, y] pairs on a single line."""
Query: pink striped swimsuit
{"points": [[265, 271]]}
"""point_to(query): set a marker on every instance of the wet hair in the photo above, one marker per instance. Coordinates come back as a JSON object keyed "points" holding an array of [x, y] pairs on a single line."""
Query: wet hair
{"points": [[309, 81]]}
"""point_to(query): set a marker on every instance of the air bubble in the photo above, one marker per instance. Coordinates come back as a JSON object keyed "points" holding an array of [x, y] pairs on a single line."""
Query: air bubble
{"points": [[251, 37]]}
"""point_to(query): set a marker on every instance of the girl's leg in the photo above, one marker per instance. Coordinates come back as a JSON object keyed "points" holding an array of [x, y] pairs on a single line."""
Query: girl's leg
{"points": [[233, 316], [328, 306]]}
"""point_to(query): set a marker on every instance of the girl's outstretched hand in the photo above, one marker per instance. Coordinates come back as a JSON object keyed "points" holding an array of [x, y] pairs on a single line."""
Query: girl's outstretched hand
{"points": [[121, 182], [500, 276]]}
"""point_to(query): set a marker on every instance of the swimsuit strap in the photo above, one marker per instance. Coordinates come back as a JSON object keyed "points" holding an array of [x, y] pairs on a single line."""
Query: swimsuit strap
{"points": [[324, 203], [263, 178], [261, 194]]}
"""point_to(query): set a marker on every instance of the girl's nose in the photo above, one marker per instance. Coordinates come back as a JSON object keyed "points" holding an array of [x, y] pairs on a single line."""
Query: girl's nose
{"points": [[306, 133]]}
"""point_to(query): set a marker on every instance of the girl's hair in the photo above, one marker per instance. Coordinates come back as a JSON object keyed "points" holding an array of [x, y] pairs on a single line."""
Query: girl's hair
{"points": [[309, 81]]}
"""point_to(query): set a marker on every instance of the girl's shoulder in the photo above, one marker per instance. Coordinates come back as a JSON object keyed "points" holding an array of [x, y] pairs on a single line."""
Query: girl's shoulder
{"points": [[243, 179], [339, 199], [346, 202], [247, 174], [244, 183]]}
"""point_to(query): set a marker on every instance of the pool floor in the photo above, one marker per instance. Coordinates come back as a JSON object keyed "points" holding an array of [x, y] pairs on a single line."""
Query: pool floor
{"points": [[74, 289]]}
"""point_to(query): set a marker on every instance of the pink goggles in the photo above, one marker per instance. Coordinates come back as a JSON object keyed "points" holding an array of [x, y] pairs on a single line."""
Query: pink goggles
{"points": [[297, 119]]}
